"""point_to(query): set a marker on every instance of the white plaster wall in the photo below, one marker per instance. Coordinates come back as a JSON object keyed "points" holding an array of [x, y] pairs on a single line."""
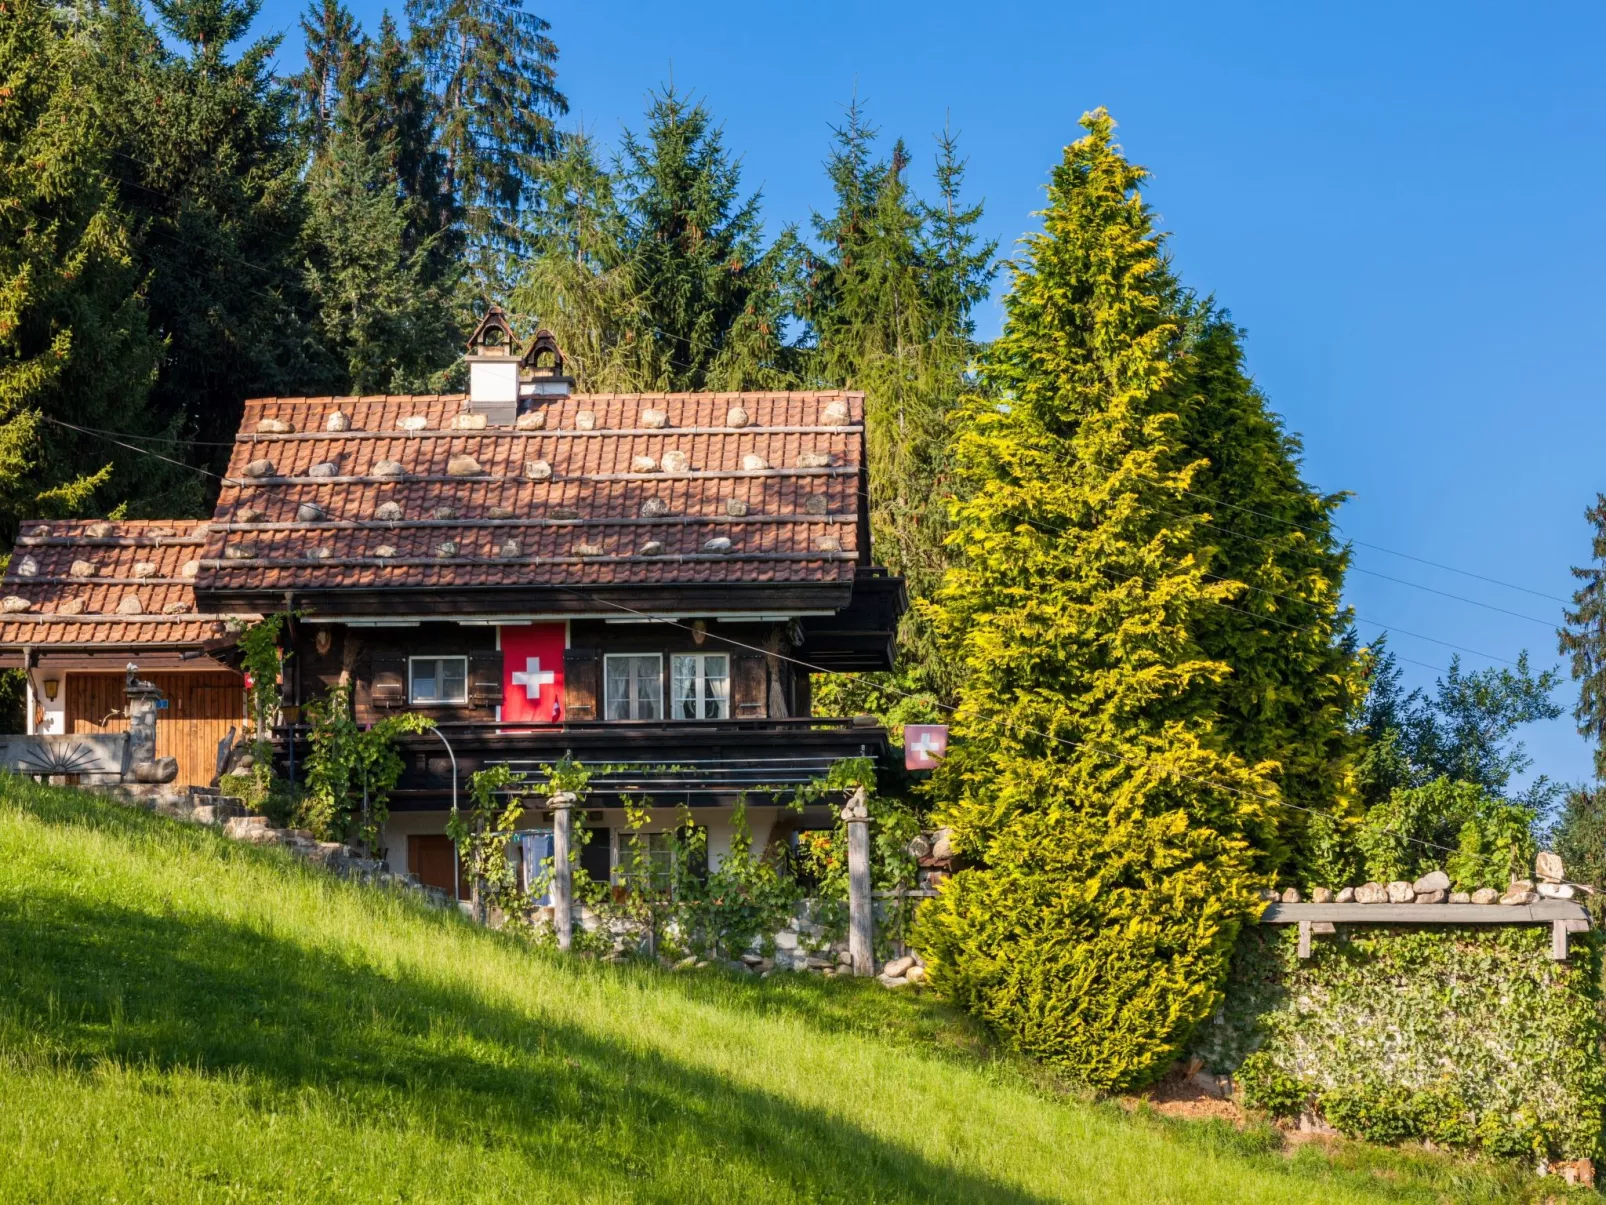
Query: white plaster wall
{"points": [[44, 716], [400, 826]]}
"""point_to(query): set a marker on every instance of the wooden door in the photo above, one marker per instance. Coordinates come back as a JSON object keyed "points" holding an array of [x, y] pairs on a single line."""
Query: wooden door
{"points": [[430, 857], [201, 708]]}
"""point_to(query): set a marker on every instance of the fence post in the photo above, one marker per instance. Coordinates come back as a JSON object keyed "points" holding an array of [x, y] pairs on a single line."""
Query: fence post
{"points": [[861, 920], [562, 805]]}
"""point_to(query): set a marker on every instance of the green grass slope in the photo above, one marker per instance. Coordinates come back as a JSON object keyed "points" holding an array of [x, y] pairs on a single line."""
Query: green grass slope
{"points": [[185, 1019]]}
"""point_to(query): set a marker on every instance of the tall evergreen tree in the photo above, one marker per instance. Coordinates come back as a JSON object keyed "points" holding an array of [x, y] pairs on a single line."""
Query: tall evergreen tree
{"points": [[385, 295], [1295, 680], [1119, 814], [1583, 639], [203, 144], [493, 70], [74, 342], [656, 272], [888, 301]]}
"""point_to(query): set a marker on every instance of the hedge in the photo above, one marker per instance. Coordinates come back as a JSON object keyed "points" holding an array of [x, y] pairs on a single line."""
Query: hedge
{"points": [[1468, 1037]]}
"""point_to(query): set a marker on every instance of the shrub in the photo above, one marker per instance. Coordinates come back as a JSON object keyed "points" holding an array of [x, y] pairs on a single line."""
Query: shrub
{"points": [[1467, 1037]]}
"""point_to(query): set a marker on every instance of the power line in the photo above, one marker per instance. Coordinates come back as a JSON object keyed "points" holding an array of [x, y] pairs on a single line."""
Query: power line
{"points": [[1494, 581]]}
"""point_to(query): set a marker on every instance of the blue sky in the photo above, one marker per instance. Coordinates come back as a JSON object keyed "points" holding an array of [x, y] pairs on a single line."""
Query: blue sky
{"points": [[1400, 203]]}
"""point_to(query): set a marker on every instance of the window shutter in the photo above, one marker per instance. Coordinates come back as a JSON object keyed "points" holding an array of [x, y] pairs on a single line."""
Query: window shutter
{"points": [[485, 678], [388, 686], [581, 674], [749, 686]]}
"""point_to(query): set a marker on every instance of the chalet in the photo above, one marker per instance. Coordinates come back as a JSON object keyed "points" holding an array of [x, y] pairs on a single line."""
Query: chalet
{"points": [[642, 581]]}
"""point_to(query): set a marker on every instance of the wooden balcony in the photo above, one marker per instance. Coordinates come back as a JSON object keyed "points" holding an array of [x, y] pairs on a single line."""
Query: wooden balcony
{"points": [[698, 762]]}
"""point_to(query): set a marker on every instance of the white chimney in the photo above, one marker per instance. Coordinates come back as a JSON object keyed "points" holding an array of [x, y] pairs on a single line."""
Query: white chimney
{"points": [[493, 370]]}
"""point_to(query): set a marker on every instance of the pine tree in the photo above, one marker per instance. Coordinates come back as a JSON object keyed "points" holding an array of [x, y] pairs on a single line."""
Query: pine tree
{"points": [[74, 343], [384, 294], [203, 145], [655, 274], [1583, 639], [492, 69], [1115, 830], [889, 302]]}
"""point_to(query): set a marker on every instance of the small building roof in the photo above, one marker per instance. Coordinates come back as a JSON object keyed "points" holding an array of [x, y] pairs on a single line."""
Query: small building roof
{"points": [[91, 584]]}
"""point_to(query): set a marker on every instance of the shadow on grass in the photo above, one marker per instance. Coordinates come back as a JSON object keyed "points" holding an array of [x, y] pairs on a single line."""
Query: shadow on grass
{"points": [[139, 987]]}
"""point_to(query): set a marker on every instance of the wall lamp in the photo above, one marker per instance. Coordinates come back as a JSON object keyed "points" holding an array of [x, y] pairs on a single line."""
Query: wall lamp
{"points": [[51, 686]]}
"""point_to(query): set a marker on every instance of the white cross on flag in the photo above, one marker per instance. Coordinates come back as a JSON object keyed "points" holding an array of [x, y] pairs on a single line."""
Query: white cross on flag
{"points": [[533, 678], [924, 745]]}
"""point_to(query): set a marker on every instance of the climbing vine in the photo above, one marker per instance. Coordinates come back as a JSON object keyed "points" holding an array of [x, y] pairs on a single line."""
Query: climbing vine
{"points": [[262, 661], [1463, 1037], [351, 770]]}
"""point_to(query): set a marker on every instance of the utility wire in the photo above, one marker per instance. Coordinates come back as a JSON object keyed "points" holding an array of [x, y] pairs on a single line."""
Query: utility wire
{"points": [[1494, 581]]}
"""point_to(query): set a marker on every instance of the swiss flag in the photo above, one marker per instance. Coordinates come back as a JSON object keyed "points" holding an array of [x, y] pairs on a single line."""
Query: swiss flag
{"points": [[532, 672]]}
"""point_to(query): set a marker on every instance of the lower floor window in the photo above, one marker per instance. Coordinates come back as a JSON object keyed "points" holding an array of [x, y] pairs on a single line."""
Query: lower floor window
{"points": [[658, 856]]}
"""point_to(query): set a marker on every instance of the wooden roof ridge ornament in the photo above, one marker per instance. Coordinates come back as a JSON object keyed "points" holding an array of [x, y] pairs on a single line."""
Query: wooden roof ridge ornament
{"points": [[493, 369], [542, 369], [494, 335]]}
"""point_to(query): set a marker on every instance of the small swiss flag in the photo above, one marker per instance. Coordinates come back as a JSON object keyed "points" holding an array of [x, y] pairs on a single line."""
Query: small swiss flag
{"points": [[924, 745], [532, 672]]}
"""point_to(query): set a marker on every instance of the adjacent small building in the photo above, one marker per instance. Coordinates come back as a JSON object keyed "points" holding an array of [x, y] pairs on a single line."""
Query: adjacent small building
{"points": [[642, 581]]}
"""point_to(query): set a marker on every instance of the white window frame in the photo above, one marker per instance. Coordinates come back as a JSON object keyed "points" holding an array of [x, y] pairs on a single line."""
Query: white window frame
{"points": [[607, 688], [412, 694], [703, 698]]}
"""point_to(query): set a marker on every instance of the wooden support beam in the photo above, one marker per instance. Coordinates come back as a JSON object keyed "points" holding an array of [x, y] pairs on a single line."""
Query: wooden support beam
{"points": [[861, 917], [1426, 914], [1304, 938], [1558, 940], [562, 805]]}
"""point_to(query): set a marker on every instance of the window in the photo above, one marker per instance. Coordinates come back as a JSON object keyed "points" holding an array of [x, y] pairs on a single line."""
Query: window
{"points": [[635, 687], [660, 852], [437, 680], [700, 687]]}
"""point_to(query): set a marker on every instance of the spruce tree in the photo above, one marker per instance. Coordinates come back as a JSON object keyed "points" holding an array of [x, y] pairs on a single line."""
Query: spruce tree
{"points": [[654, 275], [385, 295], [713, 295], [888, 300], [1118, 816], [493, 71], [203, 144], [74, 343], [1583, 639]]}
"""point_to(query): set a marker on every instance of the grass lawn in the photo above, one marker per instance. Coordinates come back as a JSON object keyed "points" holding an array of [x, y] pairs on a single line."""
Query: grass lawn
{"points": [[186, 1019]]}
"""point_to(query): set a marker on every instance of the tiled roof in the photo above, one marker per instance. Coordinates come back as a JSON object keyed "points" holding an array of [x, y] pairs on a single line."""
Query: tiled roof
{"points": [[609, 489], [105, 582]]}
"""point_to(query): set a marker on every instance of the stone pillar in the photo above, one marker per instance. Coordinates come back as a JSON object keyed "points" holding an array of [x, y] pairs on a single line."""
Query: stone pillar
{"points": [[562, 805], [861, 919], [141, 708]]}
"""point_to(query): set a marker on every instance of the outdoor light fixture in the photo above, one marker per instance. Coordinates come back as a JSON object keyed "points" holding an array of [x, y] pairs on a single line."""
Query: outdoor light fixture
{"points": [[51, 686]]}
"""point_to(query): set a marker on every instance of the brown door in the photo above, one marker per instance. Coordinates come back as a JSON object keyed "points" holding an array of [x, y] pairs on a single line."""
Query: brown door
{"points": [[201, 708], [430, 857]]}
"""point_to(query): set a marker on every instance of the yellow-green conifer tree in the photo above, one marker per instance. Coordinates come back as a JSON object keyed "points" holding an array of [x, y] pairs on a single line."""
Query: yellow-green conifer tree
{"points": [[1120, 815]]}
